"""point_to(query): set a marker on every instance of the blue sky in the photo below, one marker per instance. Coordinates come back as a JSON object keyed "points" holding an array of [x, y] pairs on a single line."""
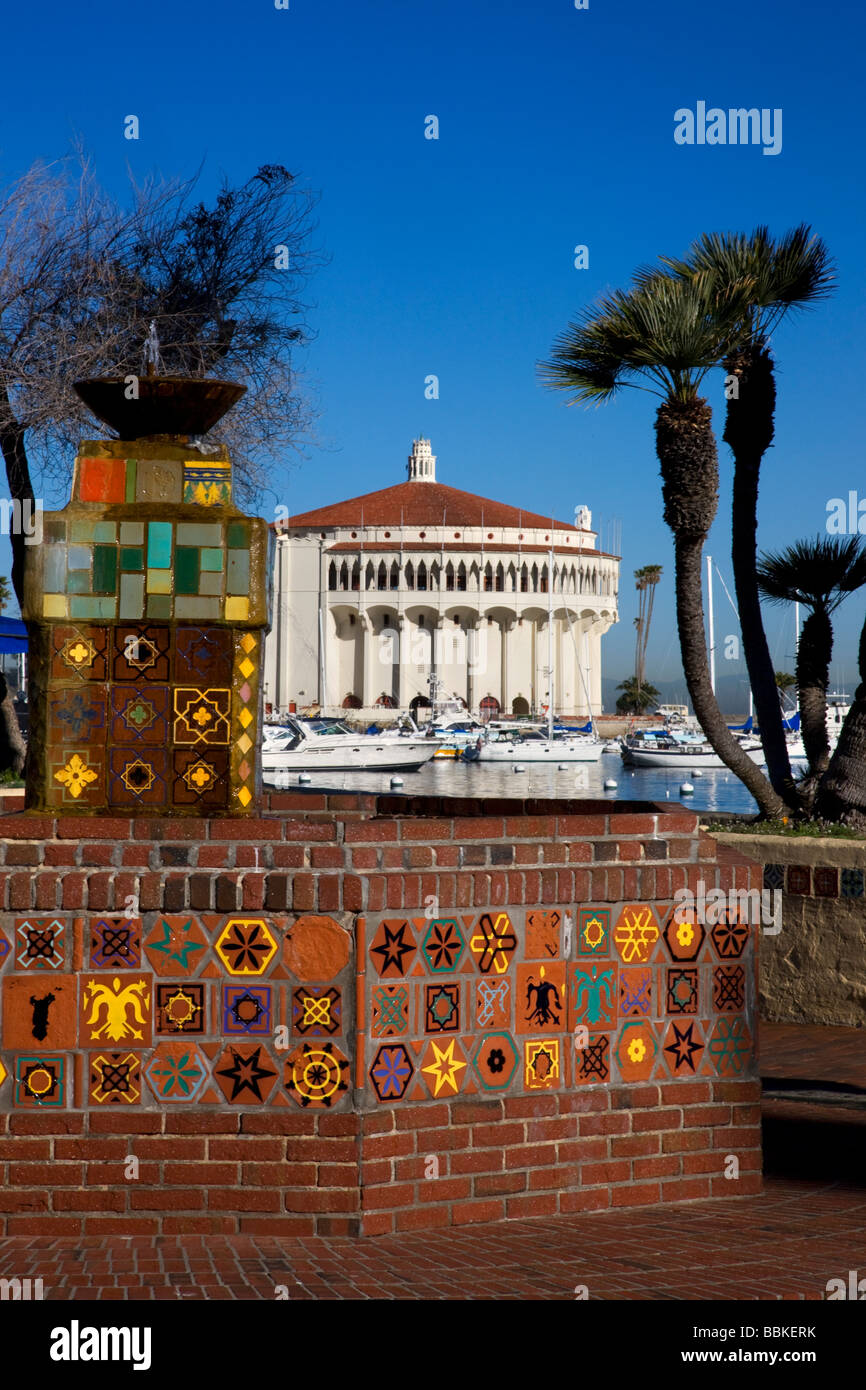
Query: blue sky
{"points": [[455, 256]]}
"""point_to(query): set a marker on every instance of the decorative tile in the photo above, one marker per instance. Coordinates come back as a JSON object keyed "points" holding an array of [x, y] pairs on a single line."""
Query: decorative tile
{"points": [[40, 1081], [730, 1046], [141, 653], [493, 1002], [317, 1075], [826, 882], [593, 931], [636, 1050], [176, 1073], [176, 945], [443, 944], [138, 777], [245, 1075], [158, 480], [316, 948], [247, 1010], [636, 934], [390, 1011], [204, 656], [200, 778], [76, 776], [683, 1047], [200, 717], [592, 994], [207, 482], [40, 943], [442, 1007], [496, 1060], [684, 935], [318, 1012], [540, 999], [542, 1069], [80, 652], [101, 480], [115, 1008], [635, 992], [393, 948], [542, 934], [774, 876], [76, 716], [682, 991], [443, 1068], [39, 1011], [799, 879], [5, 949], [391, 1072], [730, 936], [852, 883], [115, 1078], [729, 986], [246, 946], [493, 942], [139, 715], [592, 1062], [180, 1008]]}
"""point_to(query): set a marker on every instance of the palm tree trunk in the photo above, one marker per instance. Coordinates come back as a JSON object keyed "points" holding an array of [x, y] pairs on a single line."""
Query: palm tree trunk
{"points": [[20, 483], [813, 678], [842, 790], [12, 746], [690, 622], [749, 432]]}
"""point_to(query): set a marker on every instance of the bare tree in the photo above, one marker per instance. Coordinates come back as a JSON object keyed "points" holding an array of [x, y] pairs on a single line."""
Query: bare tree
{"points": [[82, 278]]}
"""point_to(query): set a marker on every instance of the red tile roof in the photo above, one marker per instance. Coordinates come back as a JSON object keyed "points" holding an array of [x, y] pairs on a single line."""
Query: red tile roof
{"points": [[421, 503]]}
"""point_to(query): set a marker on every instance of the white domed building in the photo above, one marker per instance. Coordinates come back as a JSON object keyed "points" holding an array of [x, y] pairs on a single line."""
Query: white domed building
{"points": [[379, 600]]}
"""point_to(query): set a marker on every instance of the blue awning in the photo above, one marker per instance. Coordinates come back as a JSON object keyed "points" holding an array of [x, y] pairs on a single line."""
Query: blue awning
{"points": [[13, 635]]}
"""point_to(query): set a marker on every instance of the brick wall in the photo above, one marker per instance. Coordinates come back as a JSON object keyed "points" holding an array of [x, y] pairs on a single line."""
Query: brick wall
{"points": [[371, 1167]]}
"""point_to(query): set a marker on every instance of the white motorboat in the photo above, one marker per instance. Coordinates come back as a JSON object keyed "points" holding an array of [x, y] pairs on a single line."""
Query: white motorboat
{"points": [[534, 746], [672, 751], [301, 745]]}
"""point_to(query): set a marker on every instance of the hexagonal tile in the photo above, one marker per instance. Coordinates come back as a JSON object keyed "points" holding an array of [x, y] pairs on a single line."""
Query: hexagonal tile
{"points": [[636, 1050], [683, 1047], [443, 1067], [443, 945], [730, 1046], [495, 1061], [391, 1071], [730, 936], [176, 1072], [176, 945], [246, 946], [636, 933], [684, 935], [393, 948], [493, 942], [245, 1074]]}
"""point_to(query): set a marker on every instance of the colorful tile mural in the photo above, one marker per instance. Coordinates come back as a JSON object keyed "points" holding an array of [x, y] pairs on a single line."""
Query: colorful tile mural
{"points": [[146, 608], [256, 1010]]}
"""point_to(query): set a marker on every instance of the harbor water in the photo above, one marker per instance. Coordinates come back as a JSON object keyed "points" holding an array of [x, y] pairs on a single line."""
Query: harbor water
{"points": [[715, 789]]}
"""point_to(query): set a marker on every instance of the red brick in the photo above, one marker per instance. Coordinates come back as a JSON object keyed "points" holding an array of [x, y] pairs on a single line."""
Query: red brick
{"points": [[390, 1195], [478, 828], [469, 1212], [635, 1145], [101, 1122], [484, 1161], [635, 1195], [202, 1124], [35, 1150], [580, 1150], [529, 1155], [389, 1146], [734, 1138], [470, 1112], [532, 1204], [35, 1200], [370, 832], [686, 1189], [657, 1167], [245, 1150], [242, 1199], [422, 1219], [685, 1092], [495, 1135], [644, 1120], [596, 1199], [431, 1141], [422, 1117], [530, 1107], [89, 1201], [703, 1115], [618, 1170], [686, 1141], [604, 1124], [178, 1199], [496, 1184], [633, 1097]]}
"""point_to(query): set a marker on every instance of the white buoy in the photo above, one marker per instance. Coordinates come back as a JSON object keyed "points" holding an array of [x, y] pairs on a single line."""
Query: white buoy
{"points": [[518, 767], [696, 772], [304, 777], [609, 784], [396, 781], [667, 793], [686, 789]]}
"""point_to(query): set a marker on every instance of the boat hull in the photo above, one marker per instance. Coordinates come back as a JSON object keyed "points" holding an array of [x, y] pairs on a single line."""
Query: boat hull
{"points": [[403, 755], [682, 758], [505, 752]]}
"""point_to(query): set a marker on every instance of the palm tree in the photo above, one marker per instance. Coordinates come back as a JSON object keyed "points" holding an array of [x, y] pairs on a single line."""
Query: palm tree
{"points": [[670, 331], [637, 696], [646, 580], [818, 574], [774, 276], [785, 681], [842, 790]]}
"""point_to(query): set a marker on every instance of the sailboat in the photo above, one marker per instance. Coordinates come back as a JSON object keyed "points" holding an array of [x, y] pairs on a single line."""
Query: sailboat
{"points": [[539, 744]]}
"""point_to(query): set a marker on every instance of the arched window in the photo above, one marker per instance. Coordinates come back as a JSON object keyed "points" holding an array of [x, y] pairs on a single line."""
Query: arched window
{"points": [[382, 577], [422, 576], [499, 583], [434, 575], [395, 575], [512, 578], [524, 580], [461, 576], [544, 579], [535, 579], [370, 575], [488, 577], [409, 575], [344, 576], [356, 575], [474, 576], [449, 577], [332, 576]]}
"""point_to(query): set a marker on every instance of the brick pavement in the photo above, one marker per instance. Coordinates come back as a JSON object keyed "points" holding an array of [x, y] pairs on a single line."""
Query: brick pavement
{"points": [[807, 1227]]}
